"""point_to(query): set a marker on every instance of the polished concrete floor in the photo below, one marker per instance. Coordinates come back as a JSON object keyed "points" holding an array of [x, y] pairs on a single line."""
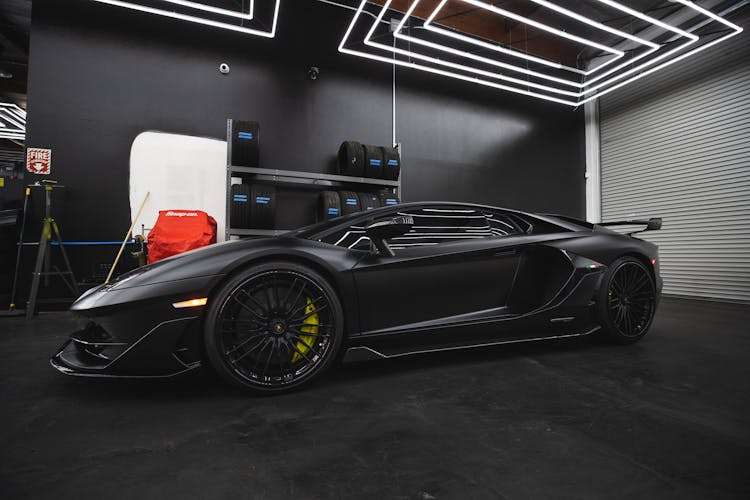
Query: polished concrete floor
{"points": [[668, 418]]}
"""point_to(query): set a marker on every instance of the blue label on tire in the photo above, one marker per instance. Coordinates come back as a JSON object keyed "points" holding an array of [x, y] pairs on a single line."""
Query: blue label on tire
{"points": [[245, 135], [240, 197], [375, 163], [393, 163], [350, 201], [263, 200], [333, 211]]}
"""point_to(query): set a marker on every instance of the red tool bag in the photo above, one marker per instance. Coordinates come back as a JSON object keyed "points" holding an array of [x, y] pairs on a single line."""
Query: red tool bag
{"points": [[178, 231]]}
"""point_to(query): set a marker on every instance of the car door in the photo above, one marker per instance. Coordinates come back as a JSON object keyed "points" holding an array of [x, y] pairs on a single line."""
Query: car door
{"points": [[456, 264]]}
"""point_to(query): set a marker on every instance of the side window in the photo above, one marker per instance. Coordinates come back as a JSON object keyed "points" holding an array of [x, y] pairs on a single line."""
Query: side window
{"points": [[434, 226], [505, 225], [352, 237]]}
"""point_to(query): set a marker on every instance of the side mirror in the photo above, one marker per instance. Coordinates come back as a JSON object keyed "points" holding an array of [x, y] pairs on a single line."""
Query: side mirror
{"points": [[654, 223], [379, 232]]}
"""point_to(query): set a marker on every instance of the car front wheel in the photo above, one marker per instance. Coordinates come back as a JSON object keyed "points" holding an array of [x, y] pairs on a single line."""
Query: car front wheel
{"points": [[273, 327]]}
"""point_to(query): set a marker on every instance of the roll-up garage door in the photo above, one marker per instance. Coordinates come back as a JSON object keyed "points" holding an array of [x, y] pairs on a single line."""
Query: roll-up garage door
{"points": [[676, 144]]}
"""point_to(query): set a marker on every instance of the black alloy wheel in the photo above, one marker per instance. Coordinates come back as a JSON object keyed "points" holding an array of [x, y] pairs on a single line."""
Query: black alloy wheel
{"points": [[274, 327], [627, 300]]}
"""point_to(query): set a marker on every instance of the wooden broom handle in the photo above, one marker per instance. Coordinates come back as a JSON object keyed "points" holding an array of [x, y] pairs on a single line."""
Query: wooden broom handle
{"points": [[127, 235]]}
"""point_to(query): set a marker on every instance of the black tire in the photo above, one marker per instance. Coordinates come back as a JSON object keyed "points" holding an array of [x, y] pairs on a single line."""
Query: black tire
{"points": [[329, 206], [368, 201], [245, 137], [388, 198], [627, 301], [239, 216], [373, 161], [349, 202], [351, 160], [273, 327], [262, 206], [391, 163]]}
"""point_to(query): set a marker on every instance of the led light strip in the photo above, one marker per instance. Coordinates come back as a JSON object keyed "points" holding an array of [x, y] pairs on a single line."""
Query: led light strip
{"points": [[12, 121], [217, 10], [369, 42], [344, 50], [199, 20], [654, 47], [736, 30], [693, 38], [398, 34], [544, 27]]}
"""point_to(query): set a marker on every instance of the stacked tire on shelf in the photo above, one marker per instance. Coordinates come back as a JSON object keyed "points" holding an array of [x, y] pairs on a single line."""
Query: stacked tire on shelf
{"points": [[363, 160], [332, 204], [253, 206]]}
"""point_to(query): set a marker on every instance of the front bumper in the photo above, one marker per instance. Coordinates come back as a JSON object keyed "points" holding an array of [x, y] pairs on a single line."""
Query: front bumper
{"points": [[135, 332], [166, 350]]}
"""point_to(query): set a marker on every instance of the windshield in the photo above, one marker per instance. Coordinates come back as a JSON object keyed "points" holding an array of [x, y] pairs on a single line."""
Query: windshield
{"points": [[320, 227]]}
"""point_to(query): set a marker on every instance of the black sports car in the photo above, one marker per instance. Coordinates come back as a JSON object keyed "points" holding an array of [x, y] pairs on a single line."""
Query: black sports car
{"points": [[271, 314]]}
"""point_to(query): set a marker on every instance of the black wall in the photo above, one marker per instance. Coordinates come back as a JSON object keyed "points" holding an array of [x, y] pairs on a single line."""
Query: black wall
{"points": [[100, 75]]}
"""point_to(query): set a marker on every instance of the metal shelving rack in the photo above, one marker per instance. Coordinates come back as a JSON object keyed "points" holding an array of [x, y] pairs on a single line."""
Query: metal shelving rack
{"points": [[289, 177]]}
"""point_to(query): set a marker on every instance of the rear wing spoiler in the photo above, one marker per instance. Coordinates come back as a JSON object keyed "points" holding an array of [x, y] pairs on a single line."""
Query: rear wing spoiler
{"points": [[652, 224]]}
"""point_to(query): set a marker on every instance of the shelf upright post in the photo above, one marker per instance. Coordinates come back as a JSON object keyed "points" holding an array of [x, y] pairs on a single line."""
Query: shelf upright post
{"points": [[228, 193]]}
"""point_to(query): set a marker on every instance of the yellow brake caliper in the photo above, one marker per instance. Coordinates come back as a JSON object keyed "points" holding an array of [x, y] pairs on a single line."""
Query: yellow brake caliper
{"points": [[311, 328]]}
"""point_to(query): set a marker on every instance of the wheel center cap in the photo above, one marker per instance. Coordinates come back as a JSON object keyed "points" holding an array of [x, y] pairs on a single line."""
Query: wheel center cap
{"points": [[278, 327]]}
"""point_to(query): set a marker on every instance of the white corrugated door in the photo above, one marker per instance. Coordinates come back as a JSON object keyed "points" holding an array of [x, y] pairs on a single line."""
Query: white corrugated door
{"points": [[676, 144]]}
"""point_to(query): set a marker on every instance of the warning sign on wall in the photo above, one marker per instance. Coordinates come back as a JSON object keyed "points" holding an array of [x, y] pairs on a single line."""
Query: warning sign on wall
{"points": [[39, 161]]}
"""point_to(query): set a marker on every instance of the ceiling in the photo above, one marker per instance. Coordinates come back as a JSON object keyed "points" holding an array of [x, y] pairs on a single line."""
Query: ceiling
{"points": [[462, 17]]}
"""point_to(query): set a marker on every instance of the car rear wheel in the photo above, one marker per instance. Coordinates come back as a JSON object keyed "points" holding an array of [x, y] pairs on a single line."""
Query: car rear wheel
{"points": [[627, 300], [273, 327]]}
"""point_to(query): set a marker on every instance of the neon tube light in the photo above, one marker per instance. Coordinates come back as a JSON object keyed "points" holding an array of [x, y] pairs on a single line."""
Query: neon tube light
{"points": [[217, 10], [398, 34], [199, 20], [13, 120], [664, 65], [344, 50], [368, 41], [610, 3], [482, 5], [525, 83], [735, 31], [693, 38]]}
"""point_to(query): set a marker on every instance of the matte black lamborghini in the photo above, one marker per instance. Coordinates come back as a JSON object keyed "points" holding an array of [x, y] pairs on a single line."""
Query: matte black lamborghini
{"points": [[271, 314]]}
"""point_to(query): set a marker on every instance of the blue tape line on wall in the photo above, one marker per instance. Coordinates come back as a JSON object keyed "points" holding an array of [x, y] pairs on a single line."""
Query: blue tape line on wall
{"points": [[90, 243]]}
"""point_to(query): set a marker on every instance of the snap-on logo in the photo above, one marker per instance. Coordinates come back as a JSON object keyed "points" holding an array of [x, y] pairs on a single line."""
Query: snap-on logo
{"points": [[181, 214]]}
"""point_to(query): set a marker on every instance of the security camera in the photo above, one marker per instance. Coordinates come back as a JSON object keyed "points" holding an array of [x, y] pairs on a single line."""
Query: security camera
{"points": [[313, 73], [224, 68]]}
